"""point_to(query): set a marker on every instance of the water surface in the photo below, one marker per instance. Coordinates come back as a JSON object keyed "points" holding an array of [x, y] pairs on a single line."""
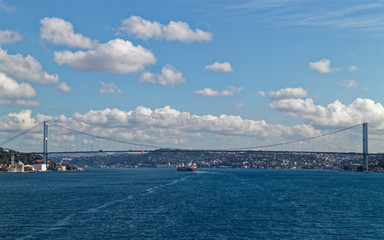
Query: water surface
{"points": [[207, 204]]}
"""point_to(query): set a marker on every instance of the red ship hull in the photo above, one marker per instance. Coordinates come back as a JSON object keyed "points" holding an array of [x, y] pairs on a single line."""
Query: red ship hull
{"points": [[188, 169]]}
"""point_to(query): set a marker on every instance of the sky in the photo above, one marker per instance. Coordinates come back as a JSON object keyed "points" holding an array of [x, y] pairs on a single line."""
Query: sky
{"points": [[192, 73]]}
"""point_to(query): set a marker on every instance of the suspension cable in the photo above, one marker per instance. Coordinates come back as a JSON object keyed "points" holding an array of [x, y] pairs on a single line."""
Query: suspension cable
{"points": [[21, 134], [296, 141], [376, 128], [158, 147], [105, 138]]}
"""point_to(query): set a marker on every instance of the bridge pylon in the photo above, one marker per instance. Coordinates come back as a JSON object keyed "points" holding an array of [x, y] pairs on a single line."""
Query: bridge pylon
{"points": [[365, 146], [45, 143]]}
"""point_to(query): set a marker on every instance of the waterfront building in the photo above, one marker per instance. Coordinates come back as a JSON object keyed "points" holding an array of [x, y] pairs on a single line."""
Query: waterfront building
{"points": [[60, 167], [28, 168], [20, 167], [40, 167]]}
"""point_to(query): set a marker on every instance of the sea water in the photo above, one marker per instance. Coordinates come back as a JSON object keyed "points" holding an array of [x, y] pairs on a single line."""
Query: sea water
{"points": [[206, 204]]}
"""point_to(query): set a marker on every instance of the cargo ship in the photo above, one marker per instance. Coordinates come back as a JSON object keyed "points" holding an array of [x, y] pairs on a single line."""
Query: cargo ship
{"points": [[190, 167]]}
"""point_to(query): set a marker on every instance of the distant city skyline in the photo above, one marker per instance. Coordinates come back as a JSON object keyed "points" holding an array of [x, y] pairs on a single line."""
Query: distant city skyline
{"points": [[195, 74]]}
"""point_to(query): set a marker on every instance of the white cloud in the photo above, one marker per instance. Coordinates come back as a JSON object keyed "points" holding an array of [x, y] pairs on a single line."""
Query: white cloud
{"points": [[109, 88], [59, 31], [340, 16], [163, 125], [9, 88], [181, 31], [322, 66], [223, 67], [7, 36], [61, 138], [261, 94], [19, 103], [169, 127], [13, 93], [64, 87], [365, 18], [116, 56], [288, 93], [142, 28], [335, 114], [238, 106], [208, 92], [21, 120], [25, 68], [353, 68], [349, 84], [145, 29], [348, 16], [170, 76]]}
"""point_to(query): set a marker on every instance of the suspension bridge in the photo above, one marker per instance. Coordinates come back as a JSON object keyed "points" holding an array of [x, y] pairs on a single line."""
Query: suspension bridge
{"points": [[52, 138]]}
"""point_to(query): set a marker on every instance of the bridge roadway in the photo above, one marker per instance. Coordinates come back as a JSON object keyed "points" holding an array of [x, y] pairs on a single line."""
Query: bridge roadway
{"points": [[182, 150]]}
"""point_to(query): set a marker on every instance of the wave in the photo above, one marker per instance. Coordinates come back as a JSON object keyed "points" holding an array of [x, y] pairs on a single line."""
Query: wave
{"points": [[67, 219]]}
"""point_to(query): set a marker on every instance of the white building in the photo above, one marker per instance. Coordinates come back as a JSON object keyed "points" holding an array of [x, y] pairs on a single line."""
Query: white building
{"points": [[40, 167], [20, 167], [61, 167]]}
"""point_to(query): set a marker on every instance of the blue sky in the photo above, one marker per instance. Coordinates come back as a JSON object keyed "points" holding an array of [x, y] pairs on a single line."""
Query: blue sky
{"points": [[192, 73]]}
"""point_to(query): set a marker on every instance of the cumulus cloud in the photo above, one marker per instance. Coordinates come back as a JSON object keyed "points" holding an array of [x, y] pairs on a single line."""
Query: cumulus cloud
{"points": [[21, 120], [238, 106], [66, 138], [163, 125], [261, 94], [322, 66], [353, 68], [13, 93], [59, 31], [349, 84], [7, 37], [288, 93], [109, 88], [64, 87], [170, 76], [145, 29], [25, 68], [116, 56], [222, 67], [9, 88], [170, 127], [335, 114], [208, 92]]}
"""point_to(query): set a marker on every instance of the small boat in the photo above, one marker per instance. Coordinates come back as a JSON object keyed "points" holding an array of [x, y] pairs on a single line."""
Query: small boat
{"points": [[190, 167]]}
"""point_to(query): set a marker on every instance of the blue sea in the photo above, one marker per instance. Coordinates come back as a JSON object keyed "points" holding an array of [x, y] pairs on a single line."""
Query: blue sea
{"points": [[206, 204]]}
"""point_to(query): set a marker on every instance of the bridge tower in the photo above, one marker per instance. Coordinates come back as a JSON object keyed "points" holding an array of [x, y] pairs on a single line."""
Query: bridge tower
{"points": [[365, 146], [45, 143]]}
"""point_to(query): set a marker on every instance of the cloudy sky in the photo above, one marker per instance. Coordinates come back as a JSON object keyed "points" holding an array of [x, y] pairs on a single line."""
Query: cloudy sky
{"points": [[174, 73]]}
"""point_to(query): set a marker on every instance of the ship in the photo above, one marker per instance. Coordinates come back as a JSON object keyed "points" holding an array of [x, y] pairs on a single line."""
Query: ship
{"points": [[190, 167]]}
